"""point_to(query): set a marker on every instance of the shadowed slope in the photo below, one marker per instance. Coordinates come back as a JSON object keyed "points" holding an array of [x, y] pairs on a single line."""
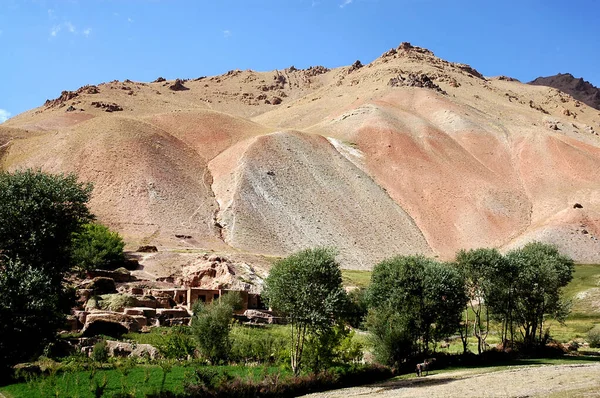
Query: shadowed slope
{"points": [[146, 182]]}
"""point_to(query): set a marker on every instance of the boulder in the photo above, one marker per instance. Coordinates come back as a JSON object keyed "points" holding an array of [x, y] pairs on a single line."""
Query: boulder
{"points": [[256, 316], [144, 311], [178, 86], [118, 276], [102, 285], [110, 324], [137, 291], [147, 249], [124, 349]]}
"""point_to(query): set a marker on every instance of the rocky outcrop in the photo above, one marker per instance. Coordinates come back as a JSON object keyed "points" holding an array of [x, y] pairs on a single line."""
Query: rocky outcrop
{"points": [[120, 276], [147, 249], [112, 324], [178, 86], [101, 285], [256, 316], [469, 70], [107, 106], [218, 272], [160, 80], [415, 80], [355, 66], [315, 71], [124, 349], [60, 101]]}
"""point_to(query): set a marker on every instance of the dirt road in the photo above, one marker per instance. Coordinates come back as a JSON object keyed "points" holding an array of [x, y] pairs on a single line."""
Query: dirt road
{"points": [[540, 381]]}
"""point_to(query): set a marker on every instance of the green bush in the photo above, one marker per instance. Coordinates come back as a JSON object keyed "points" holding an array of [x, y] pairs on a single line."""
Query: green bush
{"points": [[211, 325], [251, 345], [100, 351], [97, 247], [177, 343], [331, 347], [593, 337]]}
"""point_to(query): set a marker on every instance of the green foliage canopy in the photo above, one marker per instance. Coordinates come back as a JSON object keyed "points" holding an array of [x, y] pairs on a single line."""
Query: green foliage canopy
{"points": [[422, 296], [211, 326], [39, 213], [307, 288], [97, 247]]}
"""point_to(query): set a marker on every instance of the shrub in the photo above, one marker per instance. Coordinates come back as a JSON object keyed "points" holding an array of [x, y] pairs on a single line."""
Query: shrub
{"points": [[331, 347], [593, 337], [96, 246], [177, 343], [211, 325], [100, 351], [258, 345]]}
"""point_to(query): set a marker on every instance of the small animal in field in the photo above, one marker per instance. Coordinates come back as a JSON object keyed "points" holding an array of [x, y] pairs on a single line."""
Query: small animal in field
{"points": [[423, 367]]}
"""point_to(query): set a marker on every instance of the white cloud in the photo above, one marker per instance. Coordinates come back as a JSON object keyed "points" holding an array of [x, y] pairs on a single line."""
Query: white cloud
{"points": [[55, 29], [51, 14], [67, 26], [70, 27], [87, 32], [129, 20], [227, 33], [4, 115], [345, 3]]}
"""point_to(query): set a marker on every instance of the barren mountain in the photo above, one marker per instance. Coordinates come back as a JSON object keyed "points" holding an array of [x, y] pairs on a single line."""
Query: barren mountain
{"points": [[578, 88], [407, 154]]}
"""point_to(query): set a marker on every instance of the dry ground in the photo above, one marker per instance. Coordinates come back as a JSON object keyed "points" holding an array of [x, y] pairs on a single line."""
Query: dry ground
{"points": [[543, 381]]}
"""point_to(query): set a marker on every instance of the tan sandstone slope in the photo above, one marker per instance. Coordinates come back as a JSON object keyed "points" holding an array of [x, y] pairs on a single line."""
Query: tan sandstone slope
{"points": [[407, 154]]}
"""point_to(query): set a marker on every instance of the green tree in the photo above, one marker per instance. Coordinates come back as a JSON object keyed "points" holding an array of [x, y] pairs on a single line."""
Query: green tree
{"points": [[97, 247], [39, 213], [478, 267], [542, 273], [423, 297], [307, 288], [211, 325]]}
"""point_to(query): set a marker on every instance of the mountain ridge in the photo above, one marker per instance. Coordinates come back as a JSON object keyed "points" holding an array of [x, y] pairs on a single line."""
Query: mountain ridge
{"points": [[408, 154], [578, 88]]}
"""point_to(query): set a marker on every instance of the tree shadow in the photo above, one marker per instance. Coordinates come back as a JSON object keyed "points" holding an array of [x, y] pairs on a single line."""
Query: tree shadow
{"points": [[414, 383]]}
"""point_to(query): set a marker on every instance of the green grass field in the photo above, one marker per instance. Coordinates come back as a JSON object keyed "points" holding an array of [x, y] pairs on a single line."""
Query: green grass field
{"points": [[138, 382], [353, 278]]}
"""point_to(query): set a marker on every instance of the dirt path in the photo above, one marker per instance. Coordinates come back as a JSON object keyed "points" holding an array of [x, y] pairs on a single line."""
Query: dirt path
{"points": [[540, 381]]}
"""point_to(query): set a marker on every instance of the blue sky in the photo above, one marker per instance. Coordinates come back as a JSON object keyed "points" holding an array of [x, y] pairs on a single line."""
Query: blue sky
{"points": [[52, 45]]}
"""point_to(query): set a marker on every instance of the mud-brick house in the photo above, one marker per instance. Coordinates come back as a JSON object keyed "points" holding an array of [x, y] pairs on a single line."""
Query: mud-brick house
{"points": [[188, 297]]}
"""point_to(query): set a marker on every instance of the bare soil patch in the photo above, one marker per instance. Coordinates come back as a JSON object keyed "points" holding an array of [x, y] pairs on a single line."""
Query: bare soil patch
{"points": [[538, 381]]}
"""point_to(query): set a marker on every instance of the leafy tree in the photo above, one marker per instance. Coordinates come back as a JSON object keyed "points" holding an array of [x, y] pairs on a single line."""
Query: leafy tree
{"points": [[392, 335], [97, 247], [542, 273], [331, 347], [307, 288], [422, 297], [478, 266], [39, 213], [211, 325]]}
